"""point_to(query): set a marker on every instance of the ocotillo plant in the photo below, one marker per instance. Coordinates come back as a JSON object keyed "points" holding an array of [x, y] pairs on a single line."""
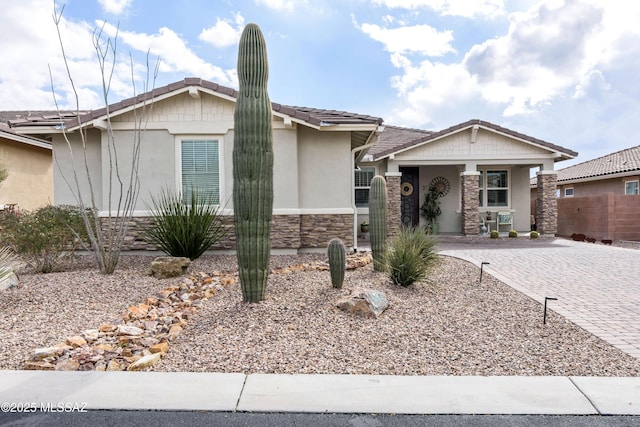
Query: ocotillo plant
{"points": [[337, 259], [252, 165], [378, 220]]}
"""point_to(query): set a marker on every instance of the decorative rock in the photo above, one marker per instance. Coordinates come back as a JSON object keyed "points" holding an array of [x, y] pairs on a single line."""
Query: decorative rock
{"points": [[67, 365], [145, 362], [174, 331], [114, 365], [107, 328], [90, 334], [129, 330], [166, 266], [43, 353], [162, 347], [10, 281], [39, 366], [76, 341], [363, 301]]}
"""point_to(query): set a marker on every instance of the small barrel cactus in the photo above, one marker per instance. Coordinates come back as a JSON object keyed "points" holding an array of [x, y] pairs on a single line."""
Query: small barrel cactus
{"points": [[534, 235], [337, 259], [378, 220], [494, 234], [513, 233]]}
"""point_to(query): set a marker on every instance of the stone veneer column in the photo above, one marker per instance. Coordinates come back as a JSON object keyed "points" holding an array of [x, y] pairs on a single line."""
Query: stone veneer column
{"points": [[393, 203], [470, 202], [547, 203]]}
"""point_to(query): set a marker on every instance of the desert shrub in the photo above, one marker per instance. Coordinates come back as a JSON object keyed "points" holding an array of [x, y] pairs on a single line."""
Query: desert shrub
{"points": [[534, 235], [45, 237], [494, 234], [513, 233], [409, 256], [185, 229]]}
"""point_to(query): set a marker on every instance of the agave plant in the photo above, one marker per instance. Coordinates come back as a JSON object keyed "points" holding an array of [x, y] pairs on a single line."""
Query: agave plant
{"points": [[9, 262]]}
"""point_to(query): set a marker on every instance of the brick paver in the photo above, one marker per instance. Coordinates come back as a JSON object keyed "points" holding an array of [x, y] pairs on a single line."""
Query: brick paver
{"points": [[597, 286]]}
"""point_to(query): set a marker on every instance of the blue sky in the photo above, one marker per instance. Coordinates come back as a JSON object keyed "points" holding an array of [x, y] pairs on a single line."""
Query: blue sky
{"points": [[563, 71]]}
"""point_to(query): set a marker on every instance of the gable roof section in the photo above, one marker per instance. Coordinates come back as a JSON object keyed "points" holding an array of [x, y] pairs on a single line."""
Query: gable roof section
{"points": [[7, 133], [624, 162], [402, 139], [313, 117]]}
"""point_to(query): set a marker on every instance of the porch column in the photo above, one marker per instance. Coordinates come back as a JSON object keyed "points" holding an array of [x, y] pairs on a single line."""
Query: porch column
{"points": [[547, 203], [393, 202], [470, 202]]}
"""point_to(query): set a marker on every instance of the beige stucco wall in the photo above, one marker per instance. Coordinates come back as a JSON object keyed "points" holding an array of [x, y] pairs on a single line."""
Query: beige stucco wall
{"points": [[324, 167], [30, 180], [602, 186]]}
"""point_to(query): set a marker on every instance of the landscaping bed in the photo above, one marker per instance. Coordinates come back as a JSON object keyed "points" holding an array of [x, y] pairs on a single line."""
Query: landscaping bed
{"points": [[447, 325]]}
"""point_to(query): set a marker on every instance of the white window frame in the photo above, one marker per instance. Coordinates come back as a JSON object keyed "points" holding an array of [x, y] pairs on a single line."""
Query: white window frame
{"points": [[567, 190], [637, 182], [362, 187], [221, 171], [484, 188]]}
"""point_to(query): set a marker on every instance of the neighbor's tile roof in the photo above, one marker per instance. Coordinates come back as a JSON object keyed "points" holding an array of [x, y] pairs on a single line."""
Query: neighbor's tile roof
{"points": [[399, 139], [619, 162], [313, 116]]}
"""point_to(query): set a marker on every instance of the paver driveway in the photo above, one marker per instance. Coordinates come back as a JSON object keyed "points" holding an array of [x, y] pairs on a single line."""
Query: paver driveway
{"points": [[597, 286]]}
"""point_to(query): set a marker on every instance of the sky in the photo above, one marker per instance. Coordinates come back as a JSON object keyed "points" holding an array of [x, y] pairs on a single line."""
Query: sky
{"points": [[566, 72]]}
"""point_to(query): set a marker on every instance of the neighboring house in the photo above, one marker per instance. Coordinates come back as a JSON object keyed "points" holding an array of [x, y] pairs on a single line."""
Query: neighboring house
{"points": [[28, 160], [592, 197], [324, 162]]}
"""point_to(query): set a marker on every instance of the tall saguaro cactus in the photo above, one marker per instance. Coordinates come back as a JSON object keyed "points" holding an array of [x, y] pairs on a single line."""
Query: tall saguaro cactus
{"points": [[253, 165], [378, 220]]}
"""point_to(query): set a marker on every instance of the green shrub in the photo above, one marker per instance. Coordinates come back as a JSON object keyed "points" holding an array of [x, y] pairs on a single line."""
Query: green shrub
{"points": [[45, 237], [494, 234], [513, 233], [409, 256], [534, 235], [185, 229]]}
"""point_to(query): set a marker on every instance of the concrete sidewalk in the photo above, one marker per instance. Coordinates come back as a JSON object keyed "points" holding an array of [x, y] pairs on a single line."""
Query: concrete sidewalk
{"points": [[322, 393]]}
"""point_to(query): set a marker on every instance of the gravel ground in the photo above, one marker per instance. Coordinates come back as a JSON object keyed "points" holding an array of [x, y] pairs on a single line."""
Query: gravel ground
{"points": [[447, 325]]}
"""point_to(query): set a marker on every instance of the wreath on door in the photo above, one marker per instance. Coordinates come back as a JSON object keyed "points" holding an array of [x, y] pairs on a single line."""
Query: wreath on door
{"points": [[406, 189]]}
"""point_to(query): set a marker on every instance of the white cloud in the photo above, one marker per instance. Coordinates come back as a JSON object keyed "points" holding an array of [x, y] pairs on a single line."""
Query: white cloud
{"points": [[29, 43], [115, 7], [556, 52], [421, 39], [282, 5], [464, 8], [223, 34], [174, 54]]}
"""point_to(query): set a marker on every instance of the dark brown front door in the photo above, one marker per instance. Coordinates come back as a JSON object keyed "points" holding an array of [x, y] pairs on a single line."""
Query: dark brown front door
{"points": [[409, 196]]}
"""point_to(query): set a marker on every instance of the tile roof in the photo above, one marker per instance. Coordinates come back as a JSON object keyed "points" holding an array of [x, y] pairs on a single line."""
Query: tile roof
{"points": [[313, 116], [7, 133], [400, 139], [623, 161]]}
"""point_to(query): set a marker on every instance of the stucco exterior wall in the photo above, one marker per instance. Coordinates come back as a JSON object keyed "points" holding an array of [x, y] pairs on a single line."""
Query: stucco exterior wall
{"points": [[451, 220], [30, 180], [520, 199], [324, 170], [67, 159]]}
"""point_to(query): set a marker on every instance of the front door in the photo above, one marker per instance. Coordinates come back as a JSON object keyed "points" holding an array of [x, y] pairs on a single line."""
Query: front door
{"points": [[409, 197]]}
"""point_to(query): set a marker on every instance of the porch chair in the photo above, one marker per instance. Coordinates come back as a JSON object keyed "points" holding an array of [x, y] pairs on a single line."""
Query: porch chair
{"points": [[504, 218]]}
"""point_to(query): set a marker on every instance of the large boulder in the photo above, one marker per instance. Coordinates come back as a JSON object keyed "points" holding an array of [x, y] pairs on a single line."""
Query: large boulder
{"points": [[366, 302], [168, 266]]}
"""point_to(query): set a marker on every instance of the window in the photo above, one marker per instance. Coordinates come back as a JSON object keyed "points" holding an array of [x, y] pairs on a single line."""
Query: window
{"points": [[494, 188], [497, 188], [631, 188], [568, 192], [481, 192], [200, 168], [362, 181]]}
